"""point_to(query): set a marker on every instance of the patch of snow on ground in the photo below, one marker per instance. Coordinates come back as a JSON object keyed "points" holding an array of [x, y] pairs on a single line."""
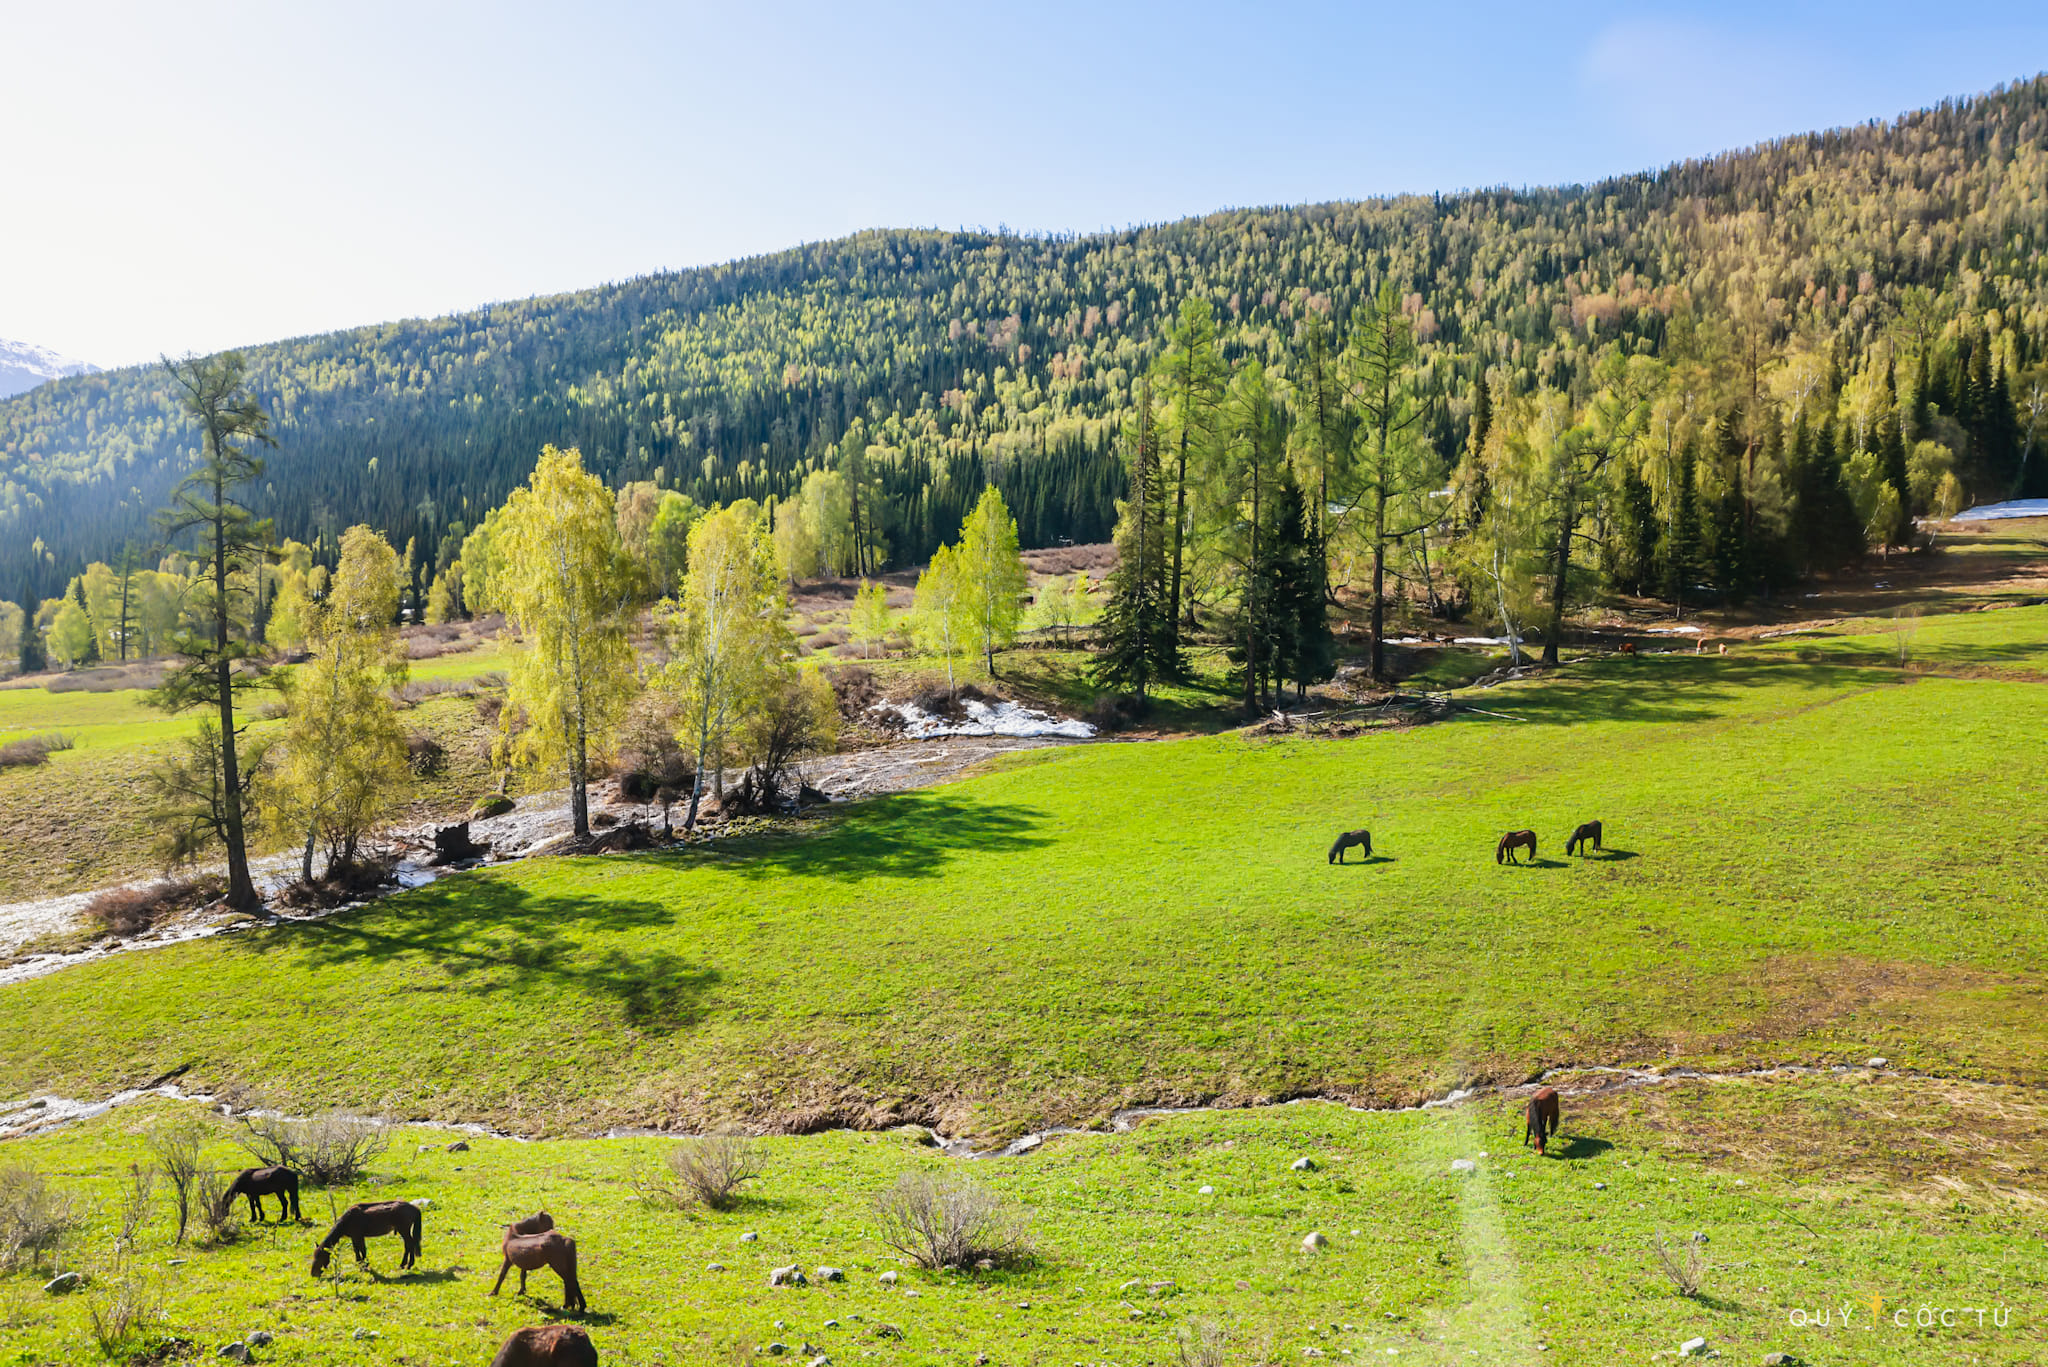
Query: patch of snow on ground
{"points": [[1481, 641], [1001, 719], [1673, 631], [1995, 512]]}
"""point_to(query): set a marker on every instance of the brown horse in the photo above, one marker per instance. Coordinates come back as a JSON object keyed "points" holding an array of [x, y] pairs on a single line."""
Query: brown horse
{"points": [[370, 1220], [531, 1252], [1360, 840], [540, 1222], [1628, 647], [1588, 832], [556, 1345], [1504, 853], [1539, 1118], [257, 1183]]}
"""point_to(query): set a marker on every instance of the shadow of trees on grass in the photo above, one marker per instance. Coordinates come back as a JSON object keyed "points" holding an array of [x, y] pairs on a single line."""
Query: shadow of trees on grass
{"points": [[491, 935], [907, 836]]}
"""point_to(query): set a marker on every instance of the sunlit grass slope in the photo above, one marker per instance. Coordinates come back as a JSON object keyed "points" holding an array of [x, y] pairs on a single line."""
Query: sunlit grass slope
{"points": [[1804, 861], [1807, 1192]]}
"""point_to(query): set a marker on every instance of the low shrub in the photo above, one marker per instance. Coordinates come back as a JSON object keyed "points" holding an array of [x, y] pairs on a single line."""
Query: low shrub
{"points": [[219, 1221], [856, 689], [34, 1218], [425, 756], [124, 1312], [949, 1221], [707, 1172], [1687, 1272], [30, 751], [329, 1149], [135, 909]]}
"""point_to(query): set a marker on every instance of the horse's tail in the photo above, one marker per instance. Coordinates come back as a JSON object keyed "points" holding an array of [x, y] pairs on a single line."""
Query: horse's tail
{"points": [[572, 1286]]}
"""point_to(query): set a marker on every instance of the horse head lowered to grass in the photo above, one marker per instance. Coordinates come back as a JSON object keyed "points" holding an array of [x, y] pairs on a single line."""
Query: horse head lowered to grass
{"points": [[370, 1220]]}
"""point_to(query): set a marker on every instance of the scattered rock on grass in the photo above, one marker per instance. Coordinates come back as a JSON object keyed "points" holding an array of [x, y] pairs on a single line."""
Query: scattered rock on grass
{"points": [[1303, 1165], [788, 1276], [831, 1274], [714, 1267], [1163, 1289], [262, 1338], [63, 1282], [1314, 1241], [749, 1237], [1879, 1063], [888, 1279], [1692, 1348], [1206, 1191], [1777, 1360], [234, 1352], [459, 1146], [1463, 1165], [776, 1349]]}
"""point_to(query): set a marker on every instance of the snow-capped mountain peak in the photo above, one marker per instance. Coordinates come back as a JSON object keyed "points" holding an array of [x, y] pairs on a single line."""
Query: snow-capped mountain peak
{"points": [[23, 367]]}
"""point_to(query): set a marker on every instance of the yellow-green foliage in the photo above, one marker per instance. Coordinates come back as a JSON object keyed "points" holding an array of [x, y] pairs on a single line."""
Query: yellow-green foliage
{"points": [[344, 751], [562, 580]]}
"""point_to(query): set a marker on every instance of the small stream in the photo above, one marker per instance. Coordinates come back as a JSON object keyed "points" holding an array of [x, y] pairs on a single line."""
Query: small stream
{"points": [[42, 1114]]}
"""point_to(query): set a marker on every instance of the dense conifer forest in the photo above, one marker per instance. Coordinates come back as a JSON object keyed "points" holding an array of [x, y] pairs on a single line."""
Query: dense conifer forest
{"points": [[1877, 291]]}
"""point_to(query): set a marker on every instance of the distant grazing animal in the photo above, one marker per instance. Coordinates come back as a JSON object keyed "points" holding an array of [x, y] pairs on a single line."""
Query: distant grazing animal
{"points": [[370, 1220], [531, 1252], [1539, 1118], [1628, 647], [1589, 831], [555, 1345], [257, 1183], [1504, 853], [1361, 840]]}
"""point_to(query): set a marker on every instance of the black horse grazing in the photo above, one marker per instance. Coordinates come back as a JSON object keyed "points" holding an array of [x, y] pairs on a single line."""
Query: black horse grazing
{"points": [[1588, 832], [554, 1345], [257, 1183], [1504, 853], [1359, 840], [1539, 1118], [369, 1220]]}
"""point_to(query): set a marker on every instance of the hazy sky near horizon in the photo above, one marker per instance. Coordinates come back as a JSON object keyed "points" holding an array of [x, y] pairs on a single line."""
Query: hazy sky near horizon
{"points": [[205, 175]]}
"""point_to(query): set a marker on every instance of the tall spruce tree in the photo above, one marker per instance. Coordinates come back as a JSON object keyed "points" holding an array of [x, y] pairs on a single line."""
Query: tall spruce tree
{"points": [[222, 660], [1138, 635]]}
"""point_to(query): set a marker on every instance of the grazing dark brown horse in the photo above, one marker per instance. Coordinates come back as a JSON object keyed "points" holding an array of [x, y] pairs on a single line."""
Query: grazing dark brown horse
{"points": [[1360, 840], [1588, 832], [1628, 647], [370, 1220], [257, 1183], [1504, 853], [531, 1252], [1539, 1118], [555, 1345]]}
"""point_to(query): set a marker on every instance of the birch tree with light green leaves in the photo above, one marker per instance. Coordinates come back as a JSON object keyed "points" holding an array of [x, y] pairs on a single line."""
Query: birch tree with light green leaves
{"points": [[726, 636], [993, 577], [938, 613], [344, 750], [563, 583]]}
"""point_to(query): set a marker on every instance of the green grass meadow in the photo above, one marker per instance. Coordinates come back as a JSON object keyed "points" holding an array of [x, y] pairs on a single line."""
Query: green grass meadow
{"points": [[1821, 862], [1521, 1260], [1814, 857]]}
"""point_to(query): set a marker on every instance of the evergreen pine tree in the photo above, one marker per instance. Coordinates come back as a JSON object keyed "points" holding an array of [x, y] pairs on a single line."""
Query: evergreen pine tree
{"points": [[1140, 644], [1679, 556]]}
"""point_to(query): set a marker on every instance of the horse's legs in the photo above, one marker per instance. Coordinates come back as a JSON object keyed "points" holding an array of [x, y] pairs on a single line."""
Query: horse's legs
{"points": [[362, 1249], [522, 1281], [501, 1274]]}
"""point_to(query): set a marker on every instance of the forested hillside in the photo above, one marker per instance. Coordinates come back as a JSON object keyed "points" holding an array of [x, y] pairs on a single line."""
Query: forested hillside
{"points": [[944, 359]]}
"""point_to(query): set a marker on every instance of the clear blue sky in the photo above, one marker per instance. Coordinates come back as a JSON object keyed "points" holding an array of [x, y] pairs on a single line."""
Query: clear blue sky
{"points": [[201, 175]]}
